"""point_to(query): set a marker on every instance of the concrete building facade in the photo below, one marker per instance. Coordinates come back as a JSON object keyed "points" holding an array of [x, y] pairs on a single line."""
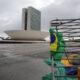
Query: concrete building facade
{"points": [[31, 19]]}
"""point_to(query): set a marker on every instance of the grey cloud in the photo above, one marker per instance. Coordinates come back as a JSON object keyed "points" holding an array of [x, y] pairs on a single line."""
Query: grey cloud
{"points": [[67, 9]]}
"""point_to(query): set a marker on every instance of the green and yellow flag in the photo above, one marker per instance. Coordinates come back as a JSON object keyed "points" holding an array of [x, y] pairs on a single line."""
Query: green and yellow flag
{"points": [[56, 44], [54, 40]]}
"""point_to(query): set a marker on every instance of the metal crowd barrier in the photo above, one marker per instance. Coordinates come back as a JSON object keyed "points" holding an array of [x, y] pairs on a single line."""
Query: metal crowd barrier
{"points": [[71, 34]]}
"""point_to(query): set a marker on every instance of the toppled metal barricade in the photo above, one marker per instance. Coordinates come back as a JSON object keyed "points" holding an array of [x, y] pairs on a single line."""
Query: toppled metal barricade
{"points": [[64, 50]]}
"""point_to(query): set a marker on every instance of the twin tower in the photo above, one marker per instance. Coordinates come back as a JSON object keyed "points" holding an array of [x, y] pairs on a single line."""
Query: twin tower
{"points": [[31, 19]]}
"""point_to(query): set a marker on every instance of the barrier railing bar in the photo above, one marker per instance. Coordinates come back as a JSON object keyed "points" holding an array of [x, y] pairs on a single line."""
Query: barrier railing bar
{"points": [[68, 28], [70, 36], [64, 19], [69, 46], [64, 59], [67, 52], [67, 66], [71, 41], [69, 76], [68, 32]]}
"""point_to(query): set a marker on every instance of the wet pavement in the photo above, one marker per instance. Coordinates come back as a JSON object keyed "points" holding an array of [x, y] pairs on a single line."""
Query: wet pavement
{"points": [[26, 61], [23, 61]]}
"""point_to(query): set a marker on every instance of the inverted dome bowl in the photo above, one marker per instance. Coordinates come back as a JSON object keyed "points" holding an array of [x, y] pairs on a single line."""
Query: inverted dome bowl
{"points": [[26, 35]]}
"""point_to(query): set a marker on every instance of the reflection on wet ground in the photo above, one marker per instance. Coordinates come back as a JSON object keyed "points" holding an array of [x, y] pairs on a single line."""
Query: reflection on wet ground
{"points": [[24, 49]]}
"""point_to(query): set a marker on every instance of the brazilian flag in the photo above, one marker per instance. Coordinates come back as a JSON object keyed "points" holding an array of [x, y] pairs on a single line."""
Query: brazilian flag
{"points": [[54, 40], [56, 44]]}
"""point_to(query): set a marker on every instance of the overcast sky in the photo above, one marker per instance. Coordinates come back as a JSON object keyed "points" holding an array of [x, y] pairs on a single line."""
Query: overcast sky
{"points": [[11, 11]]}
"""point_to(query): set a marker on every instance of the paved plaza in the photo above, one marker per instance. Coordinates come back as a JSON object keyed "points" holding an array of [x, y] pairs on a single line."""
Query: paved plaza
{"points": [[23, 61]]}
